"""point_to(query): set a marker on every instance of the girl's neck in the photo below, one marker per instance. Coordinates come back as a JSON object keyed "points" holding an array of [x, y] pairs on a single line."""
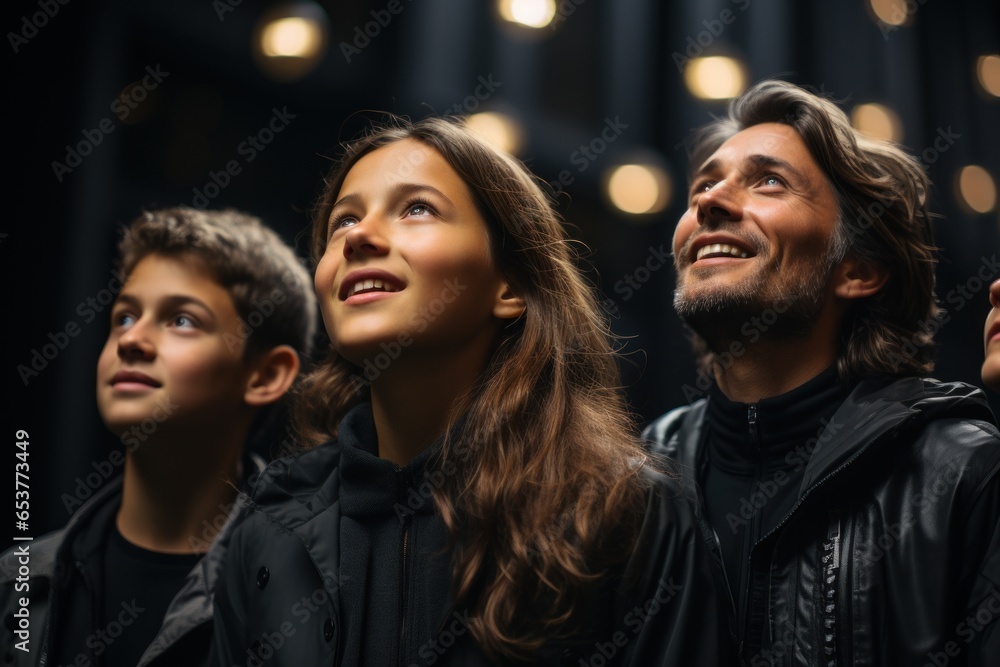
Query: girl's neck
{"points": [[414, 399]]}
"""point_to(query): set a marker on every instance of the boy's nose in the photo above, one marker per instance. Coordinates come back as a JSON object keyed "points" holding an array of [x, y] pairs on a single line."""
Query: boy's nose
{"points": [[136, 343]]}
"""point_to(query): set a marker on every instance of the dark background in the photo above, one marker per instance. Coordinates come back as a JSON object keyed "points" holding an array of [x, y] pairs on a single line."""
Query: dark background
{"points": [[605, 59]]}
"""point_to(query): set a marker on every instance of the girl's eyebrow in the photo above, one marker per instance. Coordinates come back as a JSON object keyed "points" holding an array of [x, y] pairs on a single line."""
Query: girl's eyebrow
{"points": [[398, 190]]}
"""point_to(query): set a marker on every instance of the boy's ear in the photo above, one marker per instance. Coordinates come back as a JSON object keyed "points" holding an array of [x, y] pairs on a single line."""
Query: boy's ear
{"points": [[508, 306], [271, 375], [857, 279]]}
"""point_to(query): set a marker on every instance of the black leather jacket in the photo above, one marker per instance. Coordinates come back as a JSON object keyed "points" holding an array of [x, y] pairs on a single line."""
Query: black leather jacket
{"points": [[891, 553]]}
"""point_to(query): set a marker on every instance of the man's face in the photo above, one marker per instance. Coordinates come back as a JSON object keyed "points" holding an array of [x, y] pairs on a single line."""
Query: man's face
{"points": [[756, 236]]}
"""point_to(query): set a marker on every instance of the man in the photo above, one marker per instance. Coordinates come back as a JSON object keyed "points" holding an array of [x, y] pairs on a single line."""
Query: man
{"points": [[854, 504]]}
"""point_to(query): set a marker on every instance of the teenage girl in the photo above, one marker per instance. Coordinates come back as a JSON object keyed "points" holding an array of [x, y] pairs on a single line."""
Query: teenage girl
{"points": [[480, 497]]}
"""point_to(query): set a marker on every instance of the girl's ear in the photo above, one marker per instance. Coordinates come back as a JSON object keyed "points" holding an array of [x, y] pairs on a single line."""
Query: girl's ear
{"points": [[856, 279], [508, 306], [271, 375]]}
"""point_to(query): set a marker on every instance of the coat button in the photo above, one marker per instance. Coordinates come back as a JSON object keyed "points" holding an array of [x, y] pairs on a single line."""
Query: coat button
{"points": [[328, 630], [262, 576]]}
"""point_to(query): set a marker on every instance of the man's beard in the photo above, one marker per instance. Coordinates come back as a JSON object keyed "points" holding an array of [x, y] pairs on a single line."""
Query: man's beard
{"points": [[765, 305]]}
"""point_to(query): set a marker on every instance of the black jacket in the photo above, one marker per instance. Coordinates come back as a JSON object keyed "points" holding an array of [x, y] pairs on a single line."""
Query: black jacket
{"points": [[63, 581], [342, 561], [891, 554]]}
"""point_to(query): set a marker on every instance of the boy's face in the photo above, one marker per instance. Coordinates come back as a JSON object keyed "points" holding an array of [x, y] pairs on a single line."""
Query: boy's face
{"points": [[168, 360]]}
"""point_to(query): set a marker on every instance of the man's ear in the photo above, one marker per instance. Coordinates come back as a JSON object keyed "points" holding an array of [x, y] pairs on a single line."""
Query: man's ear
{"points": [[271, 375], [508, 305], [857, 279]]}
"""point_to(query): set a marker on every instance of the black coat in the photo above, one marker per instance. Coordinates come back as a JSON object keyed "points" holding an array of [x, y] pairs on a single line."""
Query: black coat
{"points": [[341, 560], [891, 554]]}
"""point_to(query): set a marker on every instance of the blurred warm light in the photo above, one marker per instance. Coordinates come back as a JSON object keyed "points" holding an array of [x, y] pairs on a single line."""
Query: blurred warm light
{"points": [[639, 188], [530, 13], [877, 121], [976, 189], [497, 128], [715, 77], [891, 12], [292, 37], [289, 41], [988, 72]]}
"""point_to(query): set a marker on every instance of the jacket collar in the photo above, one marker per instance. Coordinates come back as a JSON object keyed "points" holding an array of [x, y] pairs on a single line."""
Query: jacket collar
{"points": [[874, 409]]}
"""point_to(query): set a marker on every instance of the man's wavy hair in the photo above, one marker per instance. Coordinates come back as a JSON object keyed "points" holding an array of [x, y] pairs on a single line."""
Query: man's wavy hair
{"points": [[882, 195], [548, 488]]}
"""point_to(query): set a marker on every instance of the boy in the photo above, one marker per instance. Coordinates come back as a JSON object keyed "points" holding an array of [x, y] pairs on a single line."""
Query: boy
{"points": [[205, 337]]}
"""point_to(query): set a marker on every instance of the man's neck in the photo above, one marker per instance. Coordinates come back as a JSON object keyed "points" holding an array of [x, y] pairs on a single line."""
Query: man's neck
{"points": [[772, 368]]}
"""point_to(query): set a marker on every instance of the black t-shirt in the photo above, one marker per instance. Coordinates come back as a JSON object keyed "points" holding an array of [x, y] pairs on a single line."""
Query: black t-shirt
{"points": [[757, 454], [139, 585]]}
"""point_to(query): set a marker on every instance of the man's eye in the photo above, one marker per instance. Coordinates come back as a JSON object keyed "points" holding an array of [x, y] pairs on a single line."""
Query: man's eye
{"points": [[772, 180]]}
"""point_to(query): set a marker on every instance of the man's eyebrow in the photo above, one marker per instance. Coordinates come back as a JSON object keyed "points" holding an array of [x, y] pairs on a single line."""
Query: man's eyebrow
{"points": [[769, 161], [758, 161]]}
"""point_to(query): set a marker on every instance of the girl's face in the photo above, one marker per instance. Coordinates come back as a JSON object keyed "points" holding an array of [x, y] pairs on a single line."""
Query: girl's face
{"points": [[991, 366], [408, 260]]}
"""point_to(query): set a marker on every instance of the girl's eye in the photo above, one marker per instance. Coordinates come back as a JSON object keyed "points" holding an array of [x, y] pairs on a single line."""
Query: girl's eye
{"points": [[341, 222], [122, 319], [184, 321], [418, 208]]}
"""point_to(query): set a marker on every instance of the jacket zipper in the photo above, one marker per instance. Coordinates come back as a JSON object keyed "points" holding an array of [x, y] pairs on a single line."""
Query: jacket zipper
{"points": [[754, 432], [404, 585], [808, 492]]}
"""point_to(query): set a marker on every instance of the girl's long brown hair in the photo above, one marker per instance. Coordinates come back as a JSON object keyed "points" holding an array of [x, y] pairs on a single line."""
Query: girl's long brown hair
{"points": [[547, 491]]}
